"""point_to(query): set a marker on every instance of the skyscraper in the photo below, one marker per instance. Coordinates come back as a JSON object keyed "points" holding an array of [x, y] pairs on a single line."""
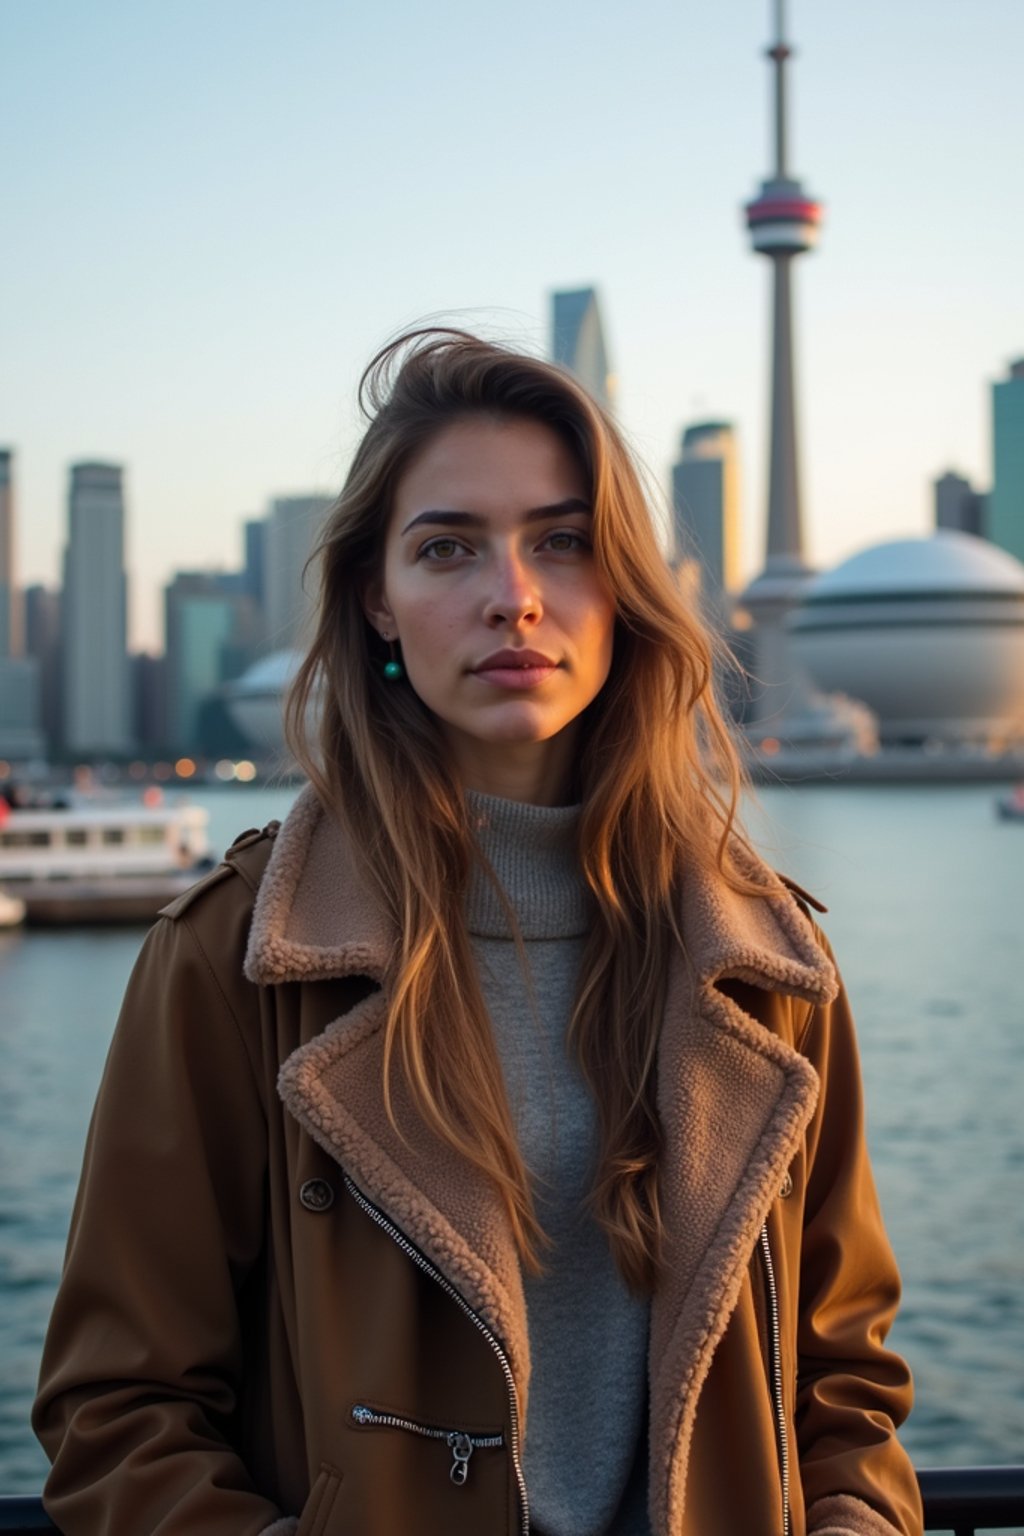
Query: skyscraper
{"points": [[705, 500], [10, 637], [958, 506], [209, 628], [255, 534], [20, 734], [292, 529], [1006, 503], [96, 704], [577, 341], [20, 675], [199, 625], [42, 641], [783, 223]]}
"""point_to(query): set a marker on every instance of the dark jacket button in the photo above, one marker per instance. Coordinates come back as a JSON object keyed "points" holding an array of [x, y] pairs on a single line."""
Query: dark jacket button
{"points": [[316, 1195]]}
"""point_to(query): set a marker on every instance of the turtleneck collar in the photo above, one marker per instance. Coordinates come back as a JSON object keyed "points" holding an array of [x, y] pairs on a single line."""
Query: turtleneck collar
{"points": [[533, 851]]}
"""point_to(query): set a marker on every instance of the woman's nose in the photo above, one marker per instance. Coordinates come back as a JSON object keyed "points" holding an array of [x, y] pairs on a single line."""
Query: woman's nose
{"points": [[514, 597]]}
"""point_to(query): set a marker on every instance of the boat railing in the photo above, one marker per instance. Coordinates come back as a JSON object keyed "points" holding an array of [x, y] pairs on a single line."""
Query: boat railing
{"points": [[963, 1500]]}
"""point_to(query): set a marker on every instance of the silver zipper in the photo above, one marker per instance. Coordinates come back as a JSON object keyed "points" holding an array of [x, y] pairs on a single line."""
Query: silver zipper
{"points": [[412, 1252], [459, 1442], [776, 1372]]}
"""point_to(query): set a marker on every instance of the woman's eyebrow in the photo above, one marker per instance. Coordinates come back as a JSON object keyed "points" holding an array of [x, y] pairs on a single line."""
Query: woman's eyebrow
{"points": [[447, 519]]}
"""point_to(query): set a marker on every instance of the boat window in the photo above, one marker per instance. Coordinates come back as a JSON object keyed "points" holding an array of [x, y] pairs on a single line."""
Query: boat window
{"points": [[21, 839], [77, 837], [113, 834], [151, 834]]}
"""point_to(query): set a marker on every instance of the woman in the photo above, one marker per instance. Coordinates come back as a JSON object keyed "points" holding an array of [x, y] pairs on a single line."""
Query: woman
{"points": [[482, 1152]]}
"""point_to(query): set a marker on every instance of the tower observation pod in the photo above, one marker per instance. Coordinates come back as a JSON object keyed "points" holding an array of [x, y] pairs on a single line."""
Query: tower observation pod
{"points": [[783, 220]]}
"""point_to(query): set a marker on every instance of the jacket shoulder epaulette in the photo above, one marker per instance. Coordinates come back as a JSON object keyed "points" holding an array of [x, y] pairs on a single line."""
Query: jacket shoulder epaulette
{"points": [[250, 852], [247, 858]]}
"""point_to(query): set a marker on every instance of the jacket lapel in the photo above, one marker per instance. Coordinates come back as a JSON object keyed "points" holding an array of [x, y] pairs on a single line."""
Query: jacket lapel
{"points": [[316, 917], [734, 1101]]}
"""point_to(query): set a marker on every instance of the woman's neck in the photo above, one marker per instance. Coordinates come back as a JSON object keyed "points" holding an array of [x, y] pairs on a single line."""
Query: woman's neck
{"points": [[531, 772]]}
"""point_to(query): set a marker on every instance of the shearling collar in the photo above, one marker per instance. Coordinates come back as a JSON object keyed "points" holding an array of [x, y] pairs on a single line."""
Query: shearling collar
{"points": [[316, 917], [734, 1100]]}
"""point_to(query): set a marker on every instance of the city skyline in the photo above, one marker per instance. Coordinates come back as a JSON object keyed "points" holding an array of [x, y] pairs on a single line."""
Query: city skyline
{"points": [[208, 244]]}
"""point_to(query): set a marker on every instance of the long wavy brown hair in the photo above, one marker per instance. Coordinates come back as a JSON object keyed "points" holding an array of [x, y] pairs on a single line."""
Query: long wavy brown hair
{"points": [[658, 778]]}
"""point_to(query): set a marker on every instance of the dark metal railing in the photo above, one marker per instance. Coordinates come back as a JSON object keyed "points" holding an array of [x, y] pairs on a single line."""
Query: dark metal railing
{"points": [[963, 1500], [19, 1516], [968, 1499]]}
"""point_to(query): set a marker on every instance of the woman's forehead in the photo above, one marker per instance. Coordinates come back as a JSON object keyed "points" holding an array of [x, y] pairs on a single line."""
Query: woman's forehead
{"points": [[487, 465]]}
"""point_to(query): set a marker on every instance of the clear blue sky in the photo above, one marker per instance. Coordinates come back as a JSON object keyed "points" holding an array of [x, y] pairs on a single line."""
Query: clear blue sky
{"points": [[215, 211]]}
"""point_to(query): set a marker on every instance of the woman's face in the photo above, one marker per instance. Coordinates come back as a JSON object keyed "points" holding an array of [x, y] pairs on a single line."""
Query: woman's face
{"points": [[489, 585]]}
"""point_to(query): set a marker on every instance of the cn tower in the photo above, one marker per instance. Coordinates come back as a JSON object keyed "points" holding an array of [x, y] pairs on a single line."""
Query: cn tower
{"points": [[783, 220]]}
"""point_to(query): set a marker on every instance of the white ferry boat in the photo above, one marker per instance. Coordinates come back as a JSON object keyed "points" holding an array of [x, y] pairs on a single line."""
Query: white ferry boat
{"points": [[100, 861]]}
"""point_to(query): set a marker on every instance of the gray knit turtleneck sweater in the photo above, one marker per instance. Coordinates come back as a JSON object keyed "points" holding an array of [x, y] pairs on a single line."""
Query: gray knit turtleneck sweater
{"points": [[585, 1455]]}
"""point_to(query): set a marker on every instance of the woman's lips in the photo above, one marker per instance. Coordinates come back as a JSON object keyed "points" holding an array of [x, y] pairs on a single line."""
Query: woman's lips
{"points": [[517, 677], [516, 669]]}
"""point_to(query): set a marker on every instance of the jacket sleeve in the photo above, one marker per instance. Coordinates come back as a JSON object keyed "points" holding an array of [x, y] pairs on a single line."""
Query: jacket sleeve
{"points": [[143, 1358], [852, 1392]]}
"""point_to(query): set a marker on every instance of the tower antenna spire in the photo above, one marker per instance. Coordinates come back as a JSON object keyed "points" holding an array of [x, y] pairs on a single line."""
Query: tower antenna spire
{"points": [[779, 52]]}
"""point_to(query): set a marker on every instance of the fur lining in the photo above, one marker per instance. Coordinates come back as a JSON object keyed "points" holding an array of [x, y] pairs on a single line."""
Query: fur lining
{"points": [[286, 1526], [448, 1210], [734, 1098], [314, 915], [843, 1515], [765, 940]]}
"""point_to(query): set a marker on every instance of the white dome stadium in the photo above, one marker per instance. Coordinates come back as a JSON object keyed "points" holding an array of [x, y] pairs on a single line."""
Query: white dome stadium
{"points": [[928, 632], [256, 699], [945, 562]]}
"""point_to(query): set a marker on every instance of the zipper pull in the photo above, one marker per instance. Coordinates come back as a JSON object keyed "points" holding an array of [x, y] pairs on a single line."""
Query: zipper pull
{"points": [[461, 1447]]}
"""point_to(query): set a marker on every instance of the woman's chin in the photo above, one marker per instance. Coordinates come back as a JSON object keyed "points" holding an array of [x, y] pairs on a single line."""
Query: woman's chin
{"points": [[518, 724], [520, 732]]}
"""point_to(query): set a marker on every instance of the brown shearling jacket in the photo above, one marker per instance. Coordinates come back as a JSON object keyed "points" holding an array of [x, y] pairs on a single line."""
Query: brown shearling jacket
{"points": [[279, 1317]]}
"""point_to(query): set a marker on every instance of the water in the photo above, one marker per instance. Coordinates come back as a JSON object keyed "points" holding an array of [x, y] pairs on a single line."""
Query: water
{"points": [[927, 893], [926, 890]]}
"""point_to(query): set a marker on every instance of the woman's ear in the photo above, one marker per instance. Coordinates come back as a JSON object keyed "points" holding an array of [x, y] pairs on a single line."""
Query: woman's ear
{"points": [[375, 607]]}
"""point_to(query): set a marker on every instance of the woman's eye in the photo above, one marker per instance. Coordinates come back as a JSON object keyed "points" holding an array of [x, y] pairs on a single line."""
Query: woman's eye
{"points": [[441, 549], [564, 541]]}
